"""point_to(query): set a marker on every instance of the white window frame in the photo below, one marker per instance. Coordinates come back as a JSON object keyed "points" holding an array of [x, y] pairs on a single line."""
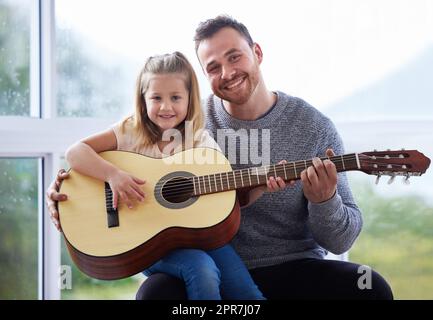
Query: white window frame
{"points": [[44, 136]]}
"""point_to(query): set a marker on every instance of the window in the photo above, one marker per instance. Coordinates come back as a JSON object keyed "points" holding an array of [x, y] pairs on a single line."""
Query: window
{"points": [[396, 239], [87, 288], [91, 80], [19, 208], [15, 57], [98, 63]]}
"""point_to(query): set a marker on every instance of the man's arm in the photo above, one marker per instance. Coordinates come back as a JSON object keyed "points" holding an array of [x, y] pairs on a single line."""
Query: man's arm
{"points": [[335, 225], [53, 196], [334, 220]]}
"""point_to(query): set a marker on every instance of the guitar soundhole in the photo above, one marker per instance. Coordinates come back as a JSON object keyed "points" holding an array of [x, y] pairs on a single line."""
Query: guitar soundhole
{"points": [[178, 190]]}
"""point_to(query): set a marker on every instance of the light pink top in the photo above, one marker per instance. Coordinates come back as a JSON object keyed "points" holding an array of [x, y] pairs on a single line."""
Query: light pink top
{"points": [[126, 141]]}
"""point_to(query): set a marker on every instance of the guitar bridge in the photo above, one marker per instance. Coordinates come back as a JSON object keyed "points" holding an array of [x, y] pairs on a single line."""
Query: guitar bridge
{"points": [[112, 213]]}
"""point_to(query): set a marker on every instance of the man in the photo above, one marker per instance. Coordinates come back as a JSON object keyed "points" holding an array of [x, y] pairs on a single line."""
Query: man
{"points": [[283, 236]]}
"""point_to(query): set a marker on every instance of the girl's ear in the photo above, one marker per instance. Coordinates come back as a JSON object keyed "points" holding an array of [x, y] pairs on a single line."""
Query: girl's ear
{"points": [[258, 52]]}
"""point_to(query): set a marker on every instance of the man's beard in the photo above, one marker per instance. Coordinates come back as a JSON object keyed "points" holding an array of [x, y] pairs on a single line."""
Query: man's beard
{"points": [[241, 96]]}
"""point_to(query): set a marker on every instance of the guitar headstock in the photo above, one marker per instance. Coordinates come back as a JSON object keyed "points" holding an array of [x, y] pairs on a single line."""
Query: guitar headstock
{"points": [[394, 163]]}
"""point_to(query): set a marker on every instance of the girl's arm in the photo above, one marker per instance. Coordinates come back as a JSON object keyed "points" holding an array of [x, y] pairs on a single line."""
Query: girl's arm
{"points": [[83, 157]]}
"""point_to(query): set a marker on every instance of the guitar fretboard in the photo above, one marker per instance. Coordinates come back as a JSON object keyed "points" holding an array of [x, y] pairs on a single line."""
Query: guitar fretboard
{"points": [[256, 176]]}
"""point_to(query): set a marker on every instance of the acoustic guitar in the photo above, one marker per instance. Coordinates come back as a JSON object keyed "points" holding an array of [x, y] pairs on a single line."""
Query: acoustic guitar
{"points": [[190, 202]]}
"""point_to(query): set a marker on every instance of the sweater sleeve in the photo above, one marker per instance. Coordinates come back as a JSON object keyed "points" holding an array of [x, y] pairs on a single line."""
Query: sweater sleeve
{"points": [[335, 224]]}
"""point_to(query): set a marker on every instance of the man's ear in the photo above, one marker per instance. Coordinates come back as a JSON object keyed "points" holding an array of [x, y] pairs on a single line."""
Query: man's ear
{"points": [[258, 52]]}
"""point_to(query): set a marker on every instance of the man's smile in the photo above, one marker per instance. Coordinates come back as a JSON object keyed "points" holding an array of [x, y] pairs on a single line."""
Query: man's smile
{"points": [[235, 84]]}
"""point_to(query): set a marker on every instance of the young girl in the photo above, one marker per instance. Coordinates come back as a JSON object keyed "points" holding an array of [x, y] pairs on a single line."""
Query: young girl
{"points": [[167, 96]]}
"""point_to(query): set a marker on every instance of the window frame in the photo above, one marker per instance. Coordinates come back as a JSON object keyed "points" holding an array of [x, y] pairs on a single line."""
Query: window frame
{"points": [[42, 135]]}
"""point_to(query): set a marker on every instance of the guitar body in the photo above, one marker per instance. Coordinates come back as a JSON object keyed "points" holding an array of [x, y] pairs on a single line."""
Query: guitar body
{"points": [[152, 228]]}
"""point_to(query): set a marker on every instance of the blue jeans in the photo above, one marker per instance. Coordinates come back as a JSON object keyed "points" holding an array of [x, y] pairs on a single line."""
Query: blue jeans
{"points": [[209, 275]]}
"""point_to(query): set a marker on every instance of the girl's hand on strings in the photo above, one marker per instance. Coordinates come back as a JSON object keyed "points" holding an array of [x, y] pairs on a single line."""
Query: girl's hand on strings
{"points": [[126, 188]]}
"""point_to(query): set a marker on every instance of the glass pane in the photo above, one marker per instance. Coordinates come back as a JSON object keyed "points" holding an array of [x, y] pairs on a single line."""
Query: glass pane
{"points": [[19, 228], [363, 67], [397, 237], [89, 84], [93, 80], [97, 63], [87, 288], [15, 57], [84, 287]]}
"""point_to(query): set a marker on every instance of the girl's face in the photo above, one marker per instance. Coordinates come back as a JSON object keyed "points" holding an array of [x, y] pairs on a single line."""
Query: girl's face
{"points": [[167, 100]]}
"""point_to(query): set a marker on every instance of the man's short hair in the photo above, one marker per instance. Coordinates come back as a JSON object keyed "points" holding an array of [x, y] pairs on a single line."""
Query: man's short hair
{"points": [[208, 28]]}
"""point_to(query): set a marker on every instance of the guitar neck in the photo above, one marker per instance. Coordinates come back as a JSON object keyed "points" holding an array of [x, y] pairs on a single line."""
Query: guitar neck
{"points": [[257, 176]]}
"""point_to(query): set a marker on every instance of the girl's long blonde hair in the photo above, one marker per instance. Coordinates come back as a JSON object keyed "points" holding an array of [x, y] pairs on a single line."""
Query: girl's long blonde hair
{"points": [[146, 131]]}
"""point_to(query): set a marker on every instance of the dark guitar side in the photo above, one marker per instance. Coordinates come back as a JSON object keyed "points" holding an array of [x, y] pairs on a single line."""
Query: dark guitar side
{"points": [[141, 257]]}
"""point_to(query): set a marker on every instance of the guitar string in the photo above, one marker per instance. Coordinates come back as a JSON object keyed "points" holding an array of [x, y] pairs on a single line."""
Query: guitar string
{"points": [[189, 191], [175, 187], [289, 166], [300, 164], [185, 188], [240, 173], [180, 186], [188, 186], [237, 178], [265, 169]]}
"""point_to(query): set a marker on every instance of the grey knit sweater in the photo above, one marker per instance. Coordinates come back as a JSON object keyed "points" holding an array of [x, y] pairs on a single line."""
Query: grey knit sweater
{"points": [[283, 226]]}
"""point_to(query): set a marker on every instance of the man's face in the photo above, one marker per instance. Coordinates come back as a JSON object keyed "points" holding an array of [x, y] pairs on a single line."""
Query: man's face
{"points": [[231, 65]]}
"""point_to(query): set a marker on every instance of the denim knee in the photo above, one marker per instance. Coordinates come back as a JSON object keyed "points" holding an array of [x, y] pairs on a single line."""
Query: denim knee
{"points": [[201, 266]]}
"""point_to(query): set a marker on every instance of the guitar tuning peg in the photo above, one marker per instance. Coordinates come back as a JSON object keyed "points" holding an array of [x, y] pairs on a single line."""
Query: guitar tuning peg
{"points": [[406, 180], [377, 179], [391, 180]]}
